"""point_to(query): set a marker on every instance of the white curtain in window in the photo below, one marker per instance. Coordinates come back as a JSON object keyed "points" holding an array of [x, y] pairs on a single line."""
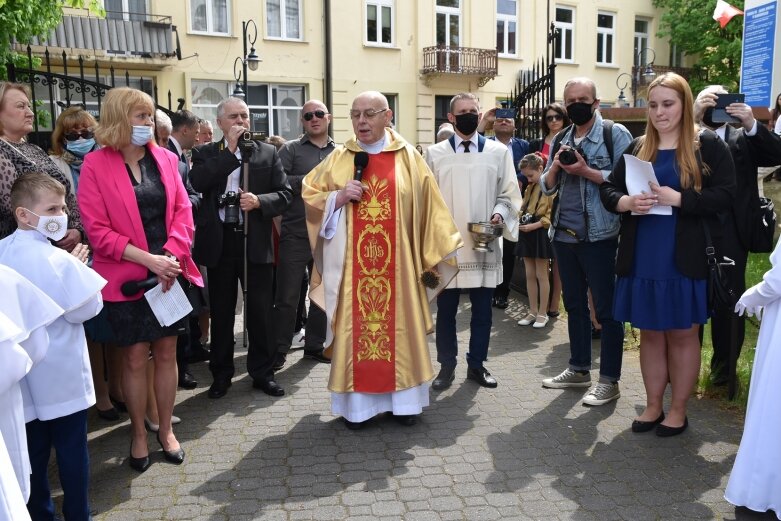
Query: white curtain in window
{"points": [[273, 19], [291, 19], [198, 12], [220, 13]]}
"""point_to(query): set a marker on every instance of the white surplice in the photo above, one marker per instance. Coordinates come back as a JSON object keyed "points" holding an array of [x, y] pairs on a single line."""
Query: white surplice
{"points": [[475, 186], [755, 481]]}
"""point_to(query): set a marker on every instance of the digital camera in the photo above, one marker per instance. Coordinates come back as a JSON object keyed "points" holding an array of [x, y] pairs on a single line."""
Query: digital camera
{"points": [[527, 218], [568, 157], [230, 201]]}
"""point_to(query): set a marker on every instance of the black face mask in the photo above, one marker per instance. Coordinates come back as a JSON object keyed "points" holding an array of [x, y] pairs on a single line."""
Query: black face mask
{"points": [[580, 113], [707, 119], [467, 123]]}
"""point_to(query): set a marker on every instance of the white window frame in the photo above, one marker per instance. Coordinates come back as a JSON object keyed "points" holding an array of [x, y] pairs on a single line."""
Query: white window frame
{"points": [[506, 20], [642, 40], [566, 35], [606, 40], [378, 5], [448, 12], [210, 19], [676, 56], [282, 25]]}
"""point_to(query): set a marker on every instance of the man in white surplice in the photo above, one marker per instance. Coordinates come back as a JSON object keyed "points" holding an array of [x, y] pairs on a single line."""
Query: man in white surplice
{"points": [[477, 180]]}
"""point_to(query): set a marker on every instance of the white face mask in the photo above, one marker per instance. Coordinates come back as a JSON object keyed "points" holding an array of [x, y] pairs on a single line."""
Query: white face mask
{"points": [[52, 226], [142, 135]]}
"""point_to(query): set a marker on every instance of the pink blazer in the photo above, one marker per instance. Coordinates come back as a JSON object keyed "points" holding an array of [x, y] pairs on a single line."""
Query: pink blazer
{"points": [[112, 220]]}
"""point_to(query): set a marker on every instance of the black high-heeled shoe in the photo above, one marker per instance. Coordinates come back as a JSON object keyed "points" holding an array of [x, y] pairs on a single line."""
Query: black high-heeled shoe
{"points": [[172, 456], [138, 464]]}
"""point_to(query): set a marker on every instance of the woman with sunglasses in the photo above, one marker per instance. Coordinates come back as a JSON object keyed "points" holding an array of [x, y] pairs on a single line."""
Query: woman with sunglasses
{"points": [[17, 157], [72, 139]]}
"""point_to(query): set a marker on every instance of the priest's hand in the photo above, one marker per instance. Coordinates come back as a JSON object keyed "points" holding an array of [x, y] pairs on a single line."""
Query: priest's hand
{"points": [[351, 192]]}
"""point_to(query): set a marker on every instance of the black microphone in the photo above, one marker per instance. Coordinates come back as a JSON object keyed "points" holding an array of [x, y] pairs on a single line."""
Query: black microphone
{"points": [[360, 162], [132, 287]]}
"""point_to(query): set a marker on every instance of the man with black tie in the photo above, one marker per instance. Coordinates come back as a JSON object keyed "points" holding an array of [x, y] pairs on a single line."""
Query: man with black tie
{"points": [[219, 244]]}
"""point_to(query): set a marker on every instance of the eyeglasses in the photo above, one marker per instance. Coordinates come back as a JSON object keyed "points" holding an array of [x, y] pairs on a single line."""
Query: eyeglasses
{"points": [[368, 113], [554, 117], [73, 136], [319, 114]]}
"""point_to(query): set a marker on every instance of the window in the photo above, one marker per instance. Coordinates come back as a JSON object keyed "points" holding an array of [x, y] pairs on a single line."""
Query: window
{"points": [[641, 42], [379, 22], [393, 105], [606, 33], [565, 23], [283, 19], [676, 56], [506, 27], [448, 23], [134, 10], [209, 16], [274, 109]]}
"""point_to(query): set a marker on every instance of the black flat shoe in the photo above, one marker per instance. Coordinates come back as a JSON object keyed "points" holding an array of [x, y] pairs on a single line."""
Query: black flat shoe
{"points": [[481, 376], [445, 377], [500, 302], [408, 420], [172, 456], [138, 464], [270, 387], [664, 431], [218, 389], [642, 426], [186, 381], [553, 314], [111, 415], [120, 406]]}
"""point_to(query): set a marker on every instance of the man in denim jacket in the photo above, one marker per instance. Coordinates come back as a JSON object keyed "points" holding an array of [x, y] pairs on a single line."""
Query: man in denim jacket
{"points": [[585, 239]]}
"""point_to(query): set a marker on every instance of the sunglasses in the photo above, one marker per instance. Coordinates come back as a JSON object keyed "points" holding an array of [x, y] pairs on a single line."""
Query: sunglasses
{"points": [[319, 114], [73, 136], [554, 117]]}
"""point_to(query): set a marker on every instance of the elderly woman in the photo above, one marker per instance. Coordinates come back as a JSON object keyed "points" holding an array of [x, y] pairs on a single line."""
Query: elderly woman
{"points": [[18, 157], [139, 221]]}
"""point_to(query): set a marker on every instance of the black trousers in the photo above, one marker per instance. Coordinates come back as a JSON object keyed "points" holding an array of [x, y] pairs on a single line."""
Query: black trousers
{"points": [[508, 264], [295, 255], [723, 323], [223, 292]]}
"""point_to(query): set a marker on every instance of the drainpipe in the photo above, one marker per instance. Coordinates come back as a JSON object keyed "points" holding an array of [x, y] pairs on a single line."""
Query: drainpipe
{"points": [[328, 87]]}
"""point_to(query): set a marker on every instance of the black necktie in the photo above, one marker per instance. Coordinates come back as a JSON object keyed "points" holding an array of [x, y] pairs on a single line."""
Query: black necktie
{"points": [[466, 146]]}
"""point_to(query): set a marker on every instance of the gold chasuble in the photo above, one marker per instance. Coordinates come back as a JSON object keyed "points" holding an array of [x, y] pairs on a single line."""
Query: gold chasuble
{"points": [[367, 272]]}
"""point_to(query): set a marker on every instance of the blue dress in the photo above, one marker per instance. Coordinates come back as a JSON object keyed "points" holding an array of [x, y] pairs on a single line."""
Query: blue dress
{"points": [[656, 295]]}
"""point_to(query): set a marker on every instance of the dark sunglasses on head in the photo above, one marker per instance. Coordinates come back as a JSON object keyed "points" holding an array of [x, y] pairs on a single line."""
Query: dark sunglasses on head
{"points": [[554, 117], [319, 113], [73, 136]]}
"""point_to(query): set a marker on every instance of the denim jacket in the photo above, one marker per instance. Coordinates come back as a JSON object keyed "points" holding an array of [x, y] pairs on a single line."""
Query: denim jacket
{"points": [[600, 224]]}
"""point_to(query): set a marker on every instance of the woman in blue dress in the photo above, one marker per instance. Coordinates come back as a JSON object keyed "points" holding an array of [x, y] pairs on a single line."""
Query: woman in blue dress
{"points": [[661, 263]]}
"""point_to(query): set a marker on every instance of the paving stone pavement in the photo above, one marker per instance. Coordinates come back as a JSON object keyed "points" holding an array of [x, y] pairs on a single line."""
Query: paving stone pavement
{"points": [[519, 452]]}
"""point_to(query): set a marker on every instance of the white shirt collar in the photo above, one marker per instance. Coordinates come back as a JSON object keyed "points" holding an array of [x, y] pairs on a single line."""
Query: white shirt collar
{"points": [[172, 139], [472, 139]]}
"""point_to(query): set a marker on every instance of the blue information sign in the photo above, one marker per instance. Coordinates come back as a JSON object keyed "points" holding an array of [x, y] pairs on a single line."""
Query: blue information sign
{"points": [[757, 65]]}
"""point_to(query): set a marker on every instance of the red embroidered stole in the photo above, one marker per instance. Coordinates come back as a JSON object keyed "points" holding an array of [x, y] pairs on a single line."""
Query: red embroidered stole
{"points": [[374, 272]]}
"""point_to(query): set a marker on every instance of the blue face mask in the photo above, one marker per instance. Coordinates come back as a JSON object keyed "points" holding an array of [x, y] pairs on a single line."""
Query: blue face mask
{"points": [[80, 147], [141, 135]]}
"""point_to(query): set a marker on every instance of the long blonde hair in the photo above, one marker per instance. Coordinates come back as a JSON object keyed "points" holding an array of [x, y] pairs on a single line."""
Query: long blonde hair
{"points": [[689, 170], [115, 129]]}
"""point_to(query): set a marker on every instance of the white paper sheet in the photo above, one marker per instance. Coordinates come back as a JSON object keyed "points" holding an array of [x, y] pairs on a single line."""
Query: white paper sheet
{"points": [[170, 306], [639, 175]]}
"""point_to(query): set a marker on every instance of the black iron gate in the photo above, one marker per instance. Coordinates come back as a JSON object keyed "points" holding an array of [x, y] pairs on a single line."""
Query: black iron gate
{"points": [[534, 90], [51, 92]]}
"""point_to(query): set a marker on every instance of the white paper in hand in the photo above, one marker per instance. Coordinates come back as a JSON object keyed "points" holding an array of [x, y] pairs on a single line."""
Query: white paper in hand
{"points": [[639, 175], [170, 306]]}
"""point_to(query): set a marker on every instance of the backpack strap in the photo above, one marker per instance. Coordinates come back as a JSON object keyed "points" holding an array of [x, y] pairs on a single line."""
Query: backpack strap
{"points": [[607, 136]]}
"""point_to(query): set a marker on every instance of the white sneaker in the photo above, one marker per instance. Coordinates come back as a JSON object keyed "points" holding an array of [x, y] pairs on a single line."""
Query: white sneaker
{"points": [[568, 378], [541, 322], [601, 394], [528, 319]]}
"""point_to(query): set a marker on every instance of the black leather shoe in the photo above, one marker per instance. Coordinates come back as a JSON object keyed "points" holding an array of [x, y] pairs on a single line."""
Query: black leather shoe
{"points": [[120, 406], [138, 464], [445, 377], [500, 302], [198, 353], [279, 361], [353, 426], [642, 426], [317, 355], [663, 431], [172, 456], [408, 420], [111, 415], [481, 376], [219, 388], [186, 381], [270, 387]]}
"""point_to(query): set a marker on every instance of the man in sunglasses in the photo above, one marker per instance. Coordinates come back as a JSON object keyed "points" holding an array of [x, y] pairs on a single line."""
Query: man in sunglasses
{"points": [[299, 157]]}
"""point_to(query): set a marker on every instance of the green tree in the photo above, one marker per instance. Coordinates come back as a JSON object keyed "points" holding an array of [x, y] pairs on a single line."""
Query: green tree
{"points": [[21, 20], [689, 25]]}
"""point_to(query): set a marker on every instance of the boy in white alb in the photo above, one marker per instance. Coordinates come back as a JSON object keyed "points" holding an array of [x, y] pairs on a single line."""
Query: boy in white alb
{"points": [[58, 390]]}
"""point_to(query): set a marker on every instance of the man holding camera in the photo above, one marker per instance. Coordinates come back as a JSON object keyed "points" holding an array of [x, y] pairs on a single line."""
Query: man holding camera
{"points": [[220, 242], [585, 238]]}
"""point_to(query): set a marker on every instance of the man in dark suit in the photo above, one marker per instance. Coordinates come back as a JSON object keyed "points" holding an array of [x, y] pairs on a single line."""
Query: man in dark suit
{"points": [[752, 145], [219, 244]]}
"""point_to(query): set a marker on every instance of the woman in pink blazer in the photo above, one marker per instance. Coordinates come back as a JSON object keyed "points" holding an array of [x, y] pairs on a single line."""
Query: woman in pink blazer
{"points": [[137, 217]]}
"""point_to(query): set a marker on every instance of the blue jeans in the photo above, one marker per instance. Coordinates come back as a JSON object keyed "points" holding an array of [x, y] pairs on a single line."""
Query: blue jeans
{"points": [[582, 266], [68, 436], [479, 326]]}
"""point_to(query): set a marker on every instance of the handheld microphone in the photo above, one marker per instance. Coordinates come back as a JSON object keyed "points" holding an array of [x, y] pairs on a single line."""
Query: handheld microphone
{"points": [[360, 162], [132, 287]]}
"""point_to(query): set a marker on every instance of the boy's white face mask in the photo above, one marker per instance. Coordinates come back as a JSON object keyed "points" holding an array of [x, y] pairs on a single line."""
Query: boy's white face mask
{"points": [[52, 226]]}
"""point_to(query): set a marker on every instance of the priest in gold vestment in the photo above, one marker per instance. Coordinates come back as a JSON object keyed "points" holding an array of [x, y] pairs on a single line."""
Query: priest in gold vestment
{"points": [[383, 248]]}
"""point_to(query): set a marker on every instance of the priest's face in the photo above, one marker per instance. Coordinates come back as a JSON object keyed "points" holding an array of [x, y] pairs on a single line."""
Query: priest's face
{"points": [[370, 115]]}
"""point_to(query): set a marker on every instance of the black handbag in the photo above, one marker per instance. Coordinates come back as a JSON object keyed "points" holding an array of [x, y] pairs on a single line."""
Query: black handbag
{"points": [[761, 240], [720, 294]]}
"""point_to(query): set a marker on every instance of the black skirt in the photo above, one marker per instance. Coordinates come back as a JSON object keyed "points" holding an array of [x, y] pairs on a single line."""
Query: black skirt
{"points": [[534, 245], [133, 322]]}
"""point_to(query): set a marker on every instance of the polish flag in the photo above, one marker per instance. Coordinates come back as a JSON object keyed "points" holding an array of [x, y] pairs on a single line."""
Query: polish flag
{"points": [[724, 13]]}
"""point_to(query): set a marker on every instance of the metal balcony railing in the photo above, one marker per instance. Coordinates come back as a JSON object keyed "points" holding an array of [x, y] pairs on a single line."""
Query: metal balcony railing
{"points": [[441, 59]]}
